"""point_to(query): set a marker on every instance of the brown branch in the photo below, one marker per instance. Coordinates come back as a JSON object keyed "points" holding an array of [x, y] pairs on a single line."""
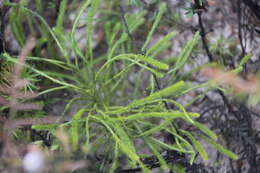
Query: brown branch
{"points": [[203, 36], [17, 82]]}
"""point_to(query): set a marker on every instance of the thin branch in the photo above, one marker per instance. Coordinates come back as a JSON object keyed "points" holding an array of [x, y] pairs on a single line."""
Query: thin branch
{"points": [[16, 78], [122, 11], [203, 36], [239, 18]]}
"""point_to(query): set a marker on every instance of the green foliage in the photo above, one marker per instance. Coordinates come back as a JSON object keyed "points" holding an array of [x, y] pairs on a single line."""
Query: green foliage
{"points": [[220, 148], [245, 59], [162, 9], [185, 54], [111, 115]]}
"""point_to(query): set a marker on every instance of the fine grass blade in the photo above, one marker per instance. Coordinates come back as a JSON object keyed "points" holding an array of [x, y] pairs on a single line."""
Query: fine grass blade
{"points": [[160, 45], [73, 31], [89, 27], [170, 146], [196, 144], [174, 114], [157, 128], [185, 53], [60, 45], [245, 59], [206, 130], [123, 146], [74, 130], [162, 9], [136, 58], [169, 91], [42, 73], [220, 148], [60, 19]]}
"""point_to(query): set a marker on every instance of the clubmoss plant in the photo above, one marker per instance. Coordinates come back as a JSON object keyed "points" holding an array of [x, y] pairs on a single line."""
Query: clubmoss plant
{"points": [[115, 120]]}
